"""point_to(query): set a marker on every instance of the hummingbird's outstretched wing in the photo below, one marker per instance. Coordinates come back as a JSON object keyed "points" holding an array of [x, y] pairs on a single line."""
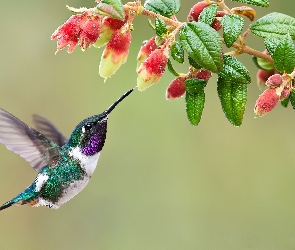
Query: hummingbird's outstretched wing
{"points": [[46, 127], [33, 146]]}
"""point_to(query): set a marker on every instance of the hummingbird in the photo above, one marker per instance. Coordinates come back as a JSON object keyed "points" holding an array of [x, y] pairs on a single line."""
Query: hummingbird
{"points": [[64, 165]]}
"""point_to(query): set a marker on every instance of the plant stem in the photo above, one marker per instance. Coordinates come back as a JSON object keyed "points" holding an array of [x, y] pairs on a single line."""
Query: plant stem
{"points": [[140, 10], [252, 52]]}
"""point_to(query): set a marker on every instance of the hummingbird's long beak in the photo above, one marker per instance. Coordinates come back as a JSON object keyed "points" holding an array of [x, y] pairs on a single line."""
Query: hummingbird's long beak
{"points": [[109, 110]]}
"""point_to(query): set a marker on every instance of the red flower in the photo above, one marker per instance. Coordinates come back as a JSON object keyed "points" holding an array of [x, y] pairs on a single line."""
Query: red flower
{"points": [[176, 88], [115, 53], [266, 102], [85, 27], [68, 33], [146, 50], [151, 70]]}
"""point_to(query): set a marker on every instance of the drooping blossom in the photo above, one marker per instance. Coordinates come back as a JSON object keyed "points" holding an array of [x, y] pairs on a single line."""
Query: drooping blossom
{"points": [[146, 50], [115, 53], [84, 27], [151, 69]]}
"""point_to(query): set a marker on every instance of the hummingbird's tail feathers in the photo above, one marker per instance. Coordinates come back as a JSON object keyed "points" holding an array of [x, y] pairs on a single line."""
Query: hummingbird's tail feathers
{"points": [[6, 205], [19, 201]]}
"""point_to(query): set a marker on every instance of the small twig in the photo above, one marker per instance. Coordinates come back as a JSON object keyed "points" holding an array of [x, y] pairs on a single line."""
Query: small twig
{"points": [[140, 10], [248, 50]]}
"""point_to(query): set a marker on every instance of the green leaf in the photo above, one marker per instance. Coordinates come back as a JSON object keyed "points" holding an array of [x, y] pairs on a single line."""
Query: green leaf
{"points": [[271, 44], [195, 99], [262, 64], [233, 98], [274, 25], [112, 8], [262, 3], [285, 102], [284, 55], [160, 27], [208, 14], [232, 28], [193, 63], [171, 68], [194, 107], [177, 52], [203, 44], [292, 98], [234, 71], [195, 85], [165, 8]]}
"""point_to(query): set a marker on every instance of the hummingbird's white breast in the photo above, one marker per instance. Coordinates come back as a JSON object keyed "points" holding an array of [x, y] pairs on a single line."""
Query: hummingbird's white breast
{"points": [[88, 163]]}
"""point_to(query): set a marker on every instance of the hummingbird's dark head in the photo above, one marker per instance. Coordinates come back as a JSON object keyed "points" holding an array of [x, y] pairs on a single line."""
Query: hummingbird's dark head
{"points": [[90, 134]]}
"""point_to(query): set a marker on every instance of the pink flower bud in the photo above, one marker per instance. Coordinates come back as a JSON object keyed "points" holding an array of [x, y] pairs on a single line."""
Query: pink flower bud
{"points": [[151, 70], [90, 31], [176, 88], [108, 27], [196, 11], [266, 102], [274, 81], [262, 76], [115, 53], [146, 50], [285, 93], [68, 33]]}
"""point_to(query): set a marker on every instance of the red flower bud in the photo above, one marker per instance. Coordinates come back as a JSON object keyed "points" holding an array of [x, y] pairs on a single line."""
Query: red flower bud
{"points": [[196, 11], [216, 22], [151, 70], [146, 50], [266, 102], [274, 81], [176, 88], [115, 53], [204, 74]]}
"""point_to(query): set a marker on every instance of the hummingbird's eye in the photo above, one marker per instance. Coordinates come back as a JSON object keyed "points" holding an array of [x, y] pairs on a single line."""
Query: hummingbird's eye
{"points": [[88, 126]]}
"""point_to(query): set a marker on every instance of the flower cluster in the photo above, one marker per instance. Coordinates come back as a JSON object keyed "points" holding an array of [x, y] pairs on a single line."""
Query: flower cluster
{"points": [[109, 24], [83, 28], [279, 88]]}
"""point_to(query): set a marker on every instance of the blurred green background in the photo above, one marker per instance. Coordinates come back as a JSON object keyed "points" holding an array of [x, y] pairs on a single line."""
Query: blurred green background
{"points": [[160, 182]]}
